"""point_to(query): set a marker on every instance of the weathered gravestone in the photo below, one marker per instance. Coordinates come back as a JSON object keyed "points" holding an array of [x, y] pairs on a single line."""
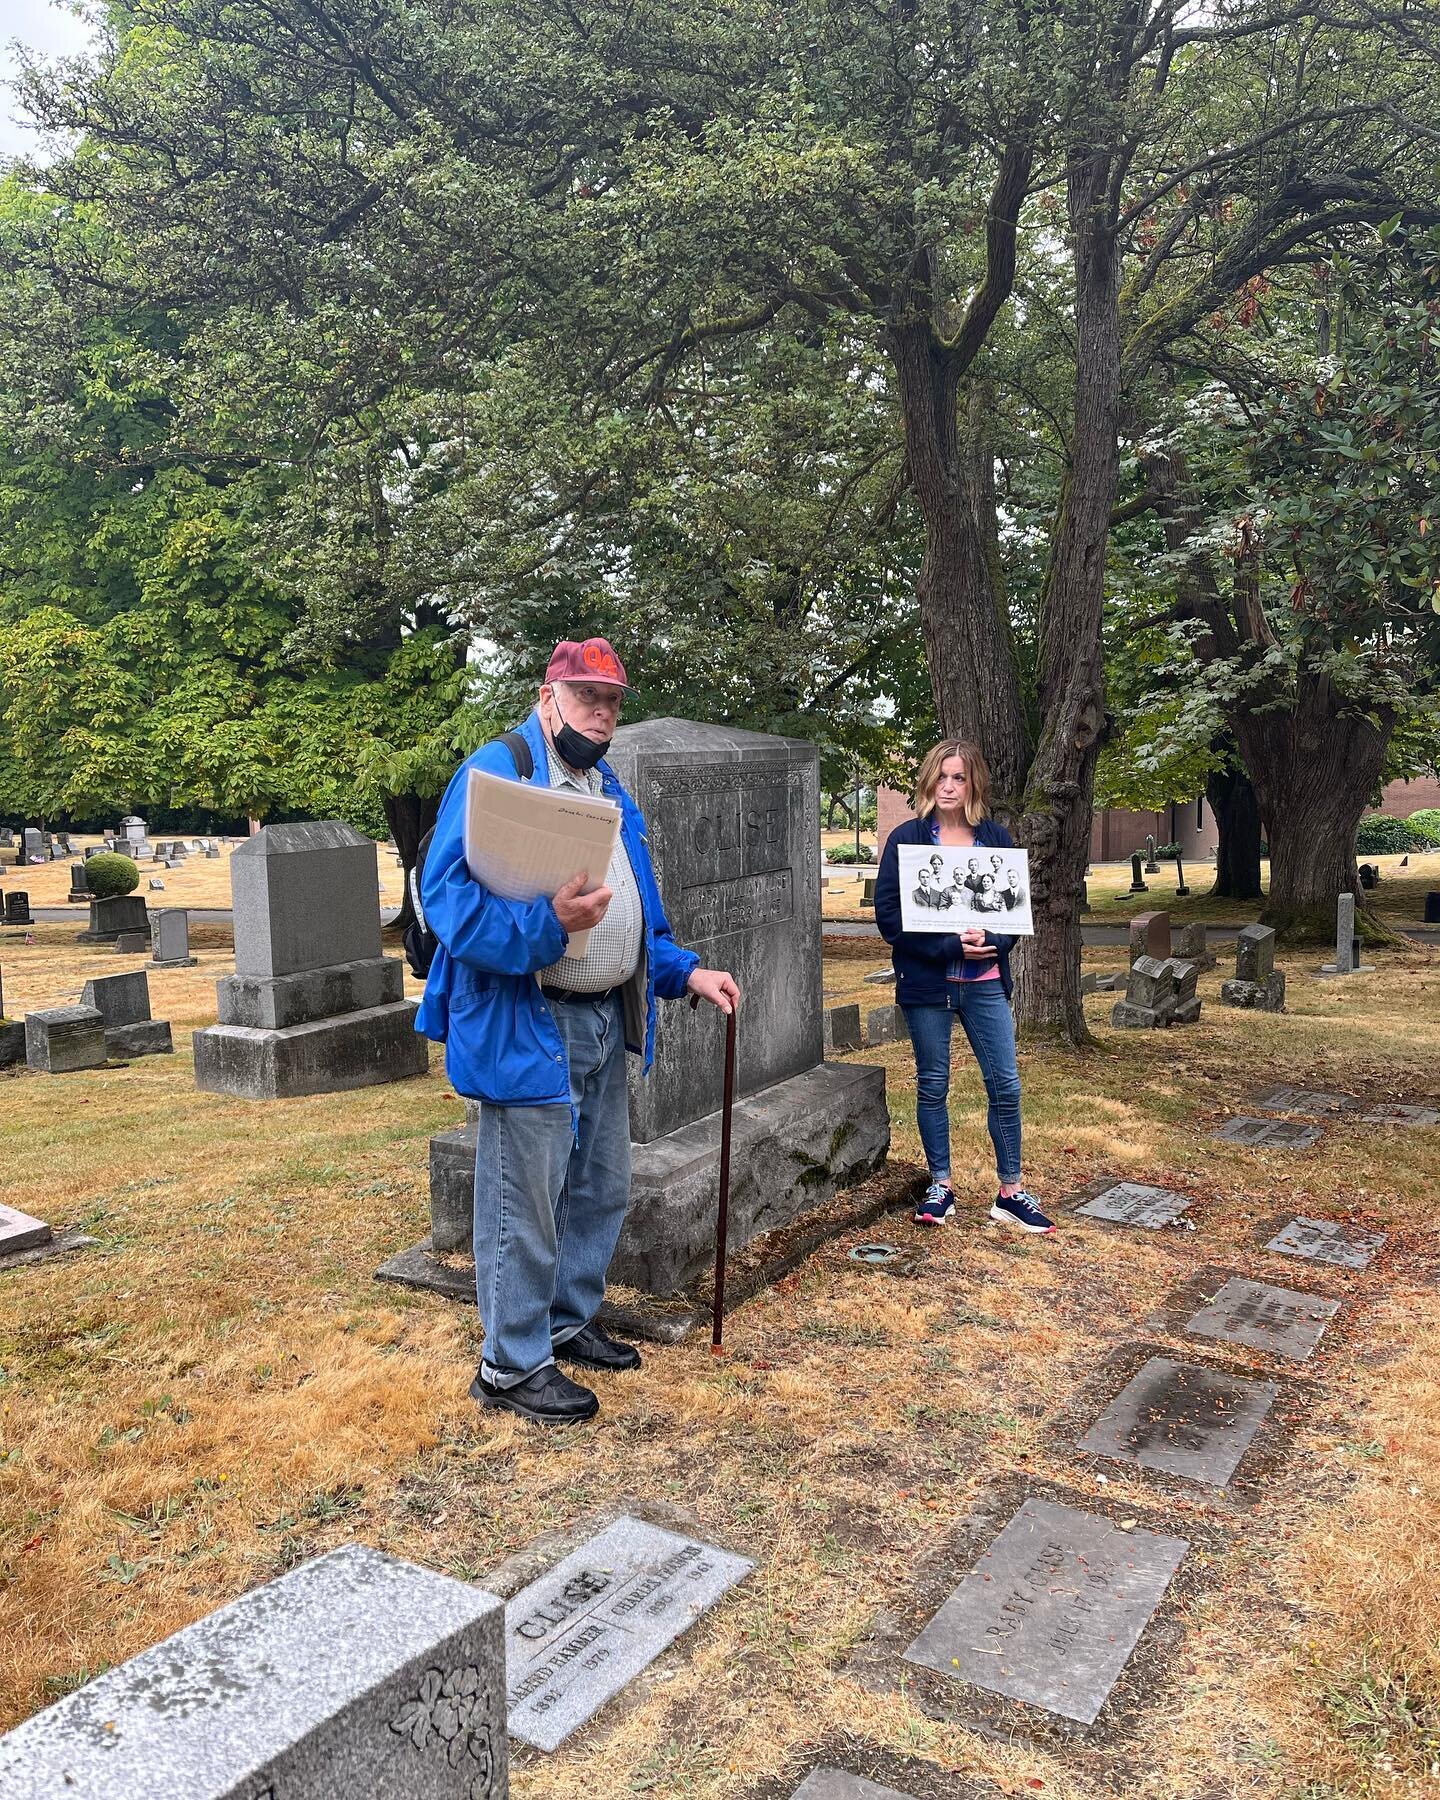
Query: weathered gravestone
{"points": [[1137, 880], [1347, 945], [79, 883], [18, 1231], [170, 940], [1327, 1241], [885, 1025], [1306, 1100], [313, 1006], [1181, 1419], [17, 908], [1278, 1320], [12, 1034], [1152, 867], [1269, 1134], [1150, 936], [730, 819], [842, 1029], [156, 885], [1052, 1610], [63, 1039], [32, 845], [1191, 946], [132, 943], [1257, 984], [355, 1674], [842, 1784], [1133, 1203], [1158, 994], [123, 1002], [586, 1628], [136, 844], [113, 915]]}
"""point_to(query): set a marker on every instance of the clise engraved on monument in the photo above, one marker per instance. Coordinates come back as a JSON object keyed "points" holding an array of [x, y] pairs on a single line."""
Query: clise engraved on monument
{"points": [[578, 1635], [1053, 1609]]}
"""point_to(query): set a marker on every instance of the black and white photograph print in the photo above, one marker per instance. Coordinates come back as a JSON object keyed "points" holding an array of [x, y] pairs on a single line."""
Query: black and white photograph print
{"points": [[945, 889]]}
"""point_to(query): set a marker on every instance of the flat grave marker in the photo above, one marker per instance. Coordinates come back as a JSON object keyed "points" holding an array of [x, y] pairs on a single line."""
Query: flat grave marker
{"points": [[587, 1628], [1269, 1134], [1327, 1241], [1133, 1203], [843, 1784], [18, 1231], [1260, 1317], [1052, 1610], [1306, 1100], [1182, 1419], [1391, 1112]]}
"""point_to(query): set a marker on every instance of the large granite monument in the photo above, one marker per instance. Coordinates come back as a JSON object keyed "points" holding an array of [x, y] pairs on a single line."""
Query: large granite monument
{"points": [[313, 1006], [731, 821]]}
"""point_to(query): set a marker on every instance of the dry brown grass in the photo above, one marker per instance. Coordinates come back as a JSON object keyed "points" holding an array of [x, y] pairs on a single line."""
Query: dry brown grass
{"points": [[196, 882], [220, 1389]]}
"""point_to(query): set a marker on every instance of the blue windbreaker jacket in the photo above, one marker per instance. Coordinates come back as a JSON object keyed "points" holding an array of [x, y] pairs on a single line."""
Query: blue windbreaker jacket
{"points": [[482, 996], [922, 958]]}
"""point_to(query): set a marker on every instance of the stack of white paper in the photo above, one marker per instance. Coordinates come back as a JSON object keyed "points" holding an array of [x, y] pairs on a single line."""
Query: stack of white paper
{"points": [[522, 841]]}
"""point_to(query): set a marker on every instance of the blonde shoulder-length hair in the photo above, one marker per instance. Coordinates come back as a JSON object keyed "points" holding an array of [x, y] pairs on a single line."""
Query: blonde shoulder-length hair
{"points": [[977, 770]]}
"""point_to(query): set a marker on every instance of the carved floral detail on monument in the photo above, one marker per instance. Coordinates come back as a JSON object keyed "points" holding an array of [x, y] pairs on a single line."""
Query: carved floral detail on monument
{"points": [[444, 1710]]}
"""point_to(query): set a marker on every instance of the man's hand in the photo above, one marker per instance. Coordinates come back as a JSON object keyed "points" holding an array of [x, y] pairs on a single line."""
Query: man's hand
{"points": [[715, 986], [972, 940], [577, 911]]}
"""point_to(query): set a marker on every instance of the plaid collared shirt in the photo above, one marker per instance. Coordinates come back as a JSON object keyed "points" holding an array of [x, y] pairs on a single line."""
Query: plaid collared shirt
{"points": [[613, 953]]}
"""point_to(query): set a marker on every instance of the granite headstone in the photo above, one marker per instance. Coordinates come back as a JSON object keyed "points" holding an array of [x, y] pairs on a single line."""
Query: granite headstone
{"points": [[1135, 1203], [1327, 1241], [1278, 1320], [62, 1039], [1182, 1419]]}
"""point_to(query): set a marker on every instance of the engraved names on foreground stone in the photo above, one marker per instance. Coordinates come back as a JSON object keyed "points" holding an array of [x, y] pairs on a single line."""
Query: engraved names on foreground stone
{"points": [[1269, 1134], [1327, 1241], [1276, 1319], [580, 1633], [1052, 1610], [354, 1674], [1182, 1419], [1133, 1203]]}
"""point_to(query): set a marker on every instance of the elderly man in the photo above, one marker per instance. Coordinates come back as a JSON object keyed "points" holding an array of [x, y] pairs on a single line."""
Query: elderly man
{"points": [[541, 1044]]}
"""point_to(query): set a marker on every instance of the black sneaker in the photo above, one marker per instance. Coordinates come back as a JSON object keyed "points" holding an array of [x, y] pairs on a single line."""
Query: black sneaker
{"points": [[1020, 1209], [545, 1398], [593, 1350]]}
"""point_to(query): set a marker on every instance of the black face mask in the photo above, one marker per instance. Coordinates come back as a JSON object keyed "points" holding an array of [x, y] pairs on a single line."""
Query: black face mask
{"points": [[575, 749]]}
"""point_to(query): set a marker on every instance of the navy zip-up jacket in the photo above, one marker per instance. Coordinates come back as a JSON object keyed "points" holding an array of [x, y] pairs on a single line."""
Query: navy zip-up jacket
{"points": [[922, 958]]}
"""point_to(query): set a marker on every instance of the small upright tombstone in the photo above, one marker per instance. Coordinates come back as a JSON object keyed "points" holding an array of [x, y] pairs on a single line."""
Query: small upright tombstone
{"points": [[1191, 946], [1347, 945], [32, 845], [79, 883], [1150, 935], [17, 908], [64, 1038], [170, 940], [1151, 866], [353, 1674], [123, 1002], [313, 1006], [1137, 880], [1258, 983]]}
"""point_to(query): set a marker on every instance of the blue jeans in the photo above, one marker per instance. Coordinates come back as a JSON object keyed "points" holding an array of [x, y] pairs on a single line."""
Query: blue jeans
{"points": [[549, 1204], [985, 1014]]}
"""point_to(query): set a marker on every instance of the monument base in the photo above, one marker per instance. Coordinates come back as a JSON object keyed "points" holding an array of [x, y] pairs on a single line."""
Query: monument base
{"points": [[792, 1147], [145, 1037], [326, 1056], [1355, 969]]}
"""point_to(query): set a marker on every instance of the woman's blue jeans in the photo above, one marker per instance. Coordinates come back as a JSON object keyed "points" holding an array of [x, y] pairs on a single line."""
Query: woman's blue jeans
{"points": [[985, 1015]]}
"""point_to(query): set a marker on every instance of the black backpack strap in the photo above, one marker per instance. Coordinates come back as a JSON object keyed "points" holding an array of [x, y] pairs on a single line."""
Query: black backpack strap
{"points": [[520, 753]]}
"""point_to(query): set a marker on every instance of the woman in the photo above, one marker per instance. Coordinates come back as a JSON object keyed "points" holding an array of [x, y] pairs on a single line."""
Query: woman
{"points": [[941, 974]]}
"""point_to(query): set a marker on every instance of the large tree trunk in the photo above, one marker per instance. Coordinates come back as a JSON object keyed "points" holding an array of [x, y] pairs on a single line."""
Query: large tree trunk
{"points": [[1315, 765], [1059, 797], [1237, 818], [409, 818], [968, 642]]}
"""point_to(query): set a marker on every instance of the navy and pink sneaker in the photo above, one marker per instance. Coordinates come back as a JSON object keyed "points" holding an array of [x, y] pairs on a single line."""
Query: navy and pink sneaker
{"points": [[1020, 1209], [937, 1207]]}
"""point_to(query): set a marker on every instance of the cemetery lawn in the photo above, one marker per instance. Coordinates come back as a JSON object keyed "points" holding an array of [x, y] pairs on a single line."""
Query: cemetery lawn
{"points": [[1399, 899], [219, 1389]]}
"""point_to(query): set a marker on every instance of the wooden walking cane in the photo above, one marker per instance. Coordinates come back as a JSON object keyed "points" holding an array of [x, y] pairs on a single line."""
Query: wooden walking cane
{"points": [[722, 1216]]}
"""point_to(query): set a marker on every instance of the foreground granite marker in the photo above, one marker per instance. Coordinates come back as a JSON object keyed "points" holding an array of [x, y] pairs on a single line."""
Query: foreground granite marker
{"points": [[731, 822], [355, 1674], [1326, 1241], [580, 1633], [841, 1784], [1052, 1610], [1280, 1320], [313, 1007], [1133, 1203], [1182, 1419], [19, 1231]]}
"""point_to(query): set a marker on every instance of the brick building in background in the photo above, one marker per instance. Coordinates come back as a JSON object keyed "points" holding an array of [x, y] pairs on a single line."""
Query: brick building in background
{"points": [[1115, 835]]}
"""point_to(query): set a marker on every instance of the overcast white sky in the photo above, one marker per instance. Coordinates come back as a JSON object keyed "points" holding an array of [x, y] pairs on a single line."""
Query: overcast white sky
{"points": [[50, 30]]}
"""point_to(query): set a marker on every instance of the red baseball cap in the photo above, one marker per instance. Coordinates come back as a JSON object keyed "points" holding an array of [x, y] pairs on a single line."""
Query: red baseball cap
{"points": [[593, 660]]}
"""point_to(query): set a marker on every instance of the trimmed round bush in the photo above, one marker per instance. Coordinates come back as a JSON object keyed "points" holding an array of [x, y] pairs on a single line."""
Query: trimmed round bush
{"points": [[1384, 836], [845, 853], [1427, 823], [110, 875]]}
